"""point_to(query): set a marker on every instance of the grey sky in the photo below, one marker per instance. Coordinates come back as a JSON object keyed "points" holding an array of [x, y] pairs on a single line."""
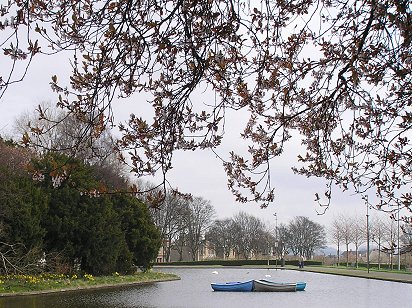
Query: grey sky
{"points": [[199, 173]]}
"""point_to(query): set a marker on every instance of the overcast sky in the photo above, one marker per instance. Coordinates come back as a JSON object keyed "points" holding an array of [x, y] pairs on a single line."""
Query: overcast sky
{"points": [[199, 173]]}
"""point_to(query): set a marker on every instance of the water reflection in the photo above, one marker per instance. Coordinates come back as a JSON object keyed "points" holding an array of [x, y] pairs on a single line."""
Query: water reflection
{"points": [[193, 290]]}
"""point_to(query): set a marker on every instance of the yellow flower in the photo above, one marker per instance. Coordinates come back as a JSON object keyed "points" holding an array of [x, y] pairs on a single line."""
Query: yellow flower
{"points": [[88, 277]]}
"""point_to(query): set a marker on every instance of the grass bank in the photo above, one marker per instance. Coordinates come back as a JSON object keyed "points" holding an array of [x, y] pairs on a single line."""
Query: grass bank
{"points": [[387, 275], [11, 285]]}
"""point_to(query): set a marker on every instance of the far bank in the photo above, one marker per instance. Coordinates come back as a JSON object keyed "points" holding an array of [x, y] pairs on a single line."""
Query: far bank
{"points": [[386, 275]]}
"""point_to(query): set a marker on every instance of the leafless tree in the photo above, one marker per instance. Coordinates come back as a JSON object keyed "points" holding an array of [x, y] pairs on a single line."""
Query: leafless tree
{"points": [[62, 132], [283, 235], [305, 236], [359, 235], [14, 261], [248, 231], [220, 237], [170, 219], [347, 229], [390, 236], [406, 239], [180, 243], [336, 235], [378, 235], [197, 221], [269, 241]]}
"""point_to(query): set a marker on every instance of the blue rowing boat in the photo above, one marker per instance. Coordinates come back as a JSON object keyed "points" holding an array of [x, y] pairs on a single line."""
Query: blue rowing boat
{"points": [[238, 286], [300, 286]]}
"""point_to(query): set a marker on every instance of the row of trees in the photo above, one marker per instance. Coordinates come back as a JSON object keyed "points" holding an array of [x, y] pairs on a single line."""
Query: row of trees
{"points": [[52, 218], [349, 231], [188, 222], [182, 221], [248, 236]]}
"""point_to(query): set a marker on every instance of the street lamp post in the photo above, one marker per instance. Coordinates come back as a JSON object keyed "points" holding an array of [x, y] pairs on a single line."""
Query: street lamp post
{"points": [[276, 238], [367, 232], [399, 252]]}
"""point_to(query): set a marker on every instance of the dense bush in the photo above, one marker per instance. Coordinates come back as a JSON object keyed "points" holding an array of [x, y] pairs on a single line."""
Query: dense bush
{"points": [[56, 207]]}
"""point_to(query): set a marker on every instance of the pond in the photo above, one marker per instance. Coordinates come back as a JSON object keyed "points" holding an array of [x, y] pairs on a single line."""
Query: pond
{"points": [[193, 290]]}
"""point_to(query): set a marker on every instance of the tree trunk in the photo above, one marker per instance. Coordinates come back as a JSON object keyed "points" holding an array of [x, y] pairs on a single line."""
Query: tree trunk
{"points": [[379, 254], [347, 255], [168, 250], [356, 256], [338, 254]]}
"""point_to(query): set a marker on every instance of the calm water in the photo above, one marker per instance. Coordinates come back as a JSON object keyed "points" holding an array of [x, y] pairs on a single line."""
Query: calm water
{"points": [[193, 290]]}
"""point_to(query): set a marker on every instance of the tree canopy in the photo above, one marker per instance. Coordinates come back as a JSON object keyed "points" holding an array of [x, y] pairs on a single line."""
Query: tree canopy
{"points": [[52, 211], [305, 236], [337, 72]]}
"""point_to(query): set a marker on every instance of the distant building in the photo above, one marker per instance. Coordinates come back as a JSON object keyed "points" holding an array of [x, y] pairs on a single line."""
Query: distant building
{"points": [[183, 253], [162, 255]]}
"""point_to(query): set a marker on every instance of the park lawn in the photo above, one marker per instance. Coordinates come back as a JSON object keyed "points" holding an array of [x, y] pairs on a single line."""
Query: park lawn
{"points": [[20, 284]]}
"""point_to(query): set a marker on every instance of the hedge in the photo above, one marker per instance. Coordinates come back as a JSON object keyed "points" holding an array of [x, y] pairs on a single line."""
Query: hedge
{"points": [[374, 265], [239, 262]]}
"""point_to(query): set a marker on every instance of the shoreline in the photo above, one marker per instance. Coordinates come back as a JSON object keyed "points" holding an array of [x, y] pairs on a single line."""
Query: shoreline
{"points": [[361, 273], [348, 272], [89, 287]]}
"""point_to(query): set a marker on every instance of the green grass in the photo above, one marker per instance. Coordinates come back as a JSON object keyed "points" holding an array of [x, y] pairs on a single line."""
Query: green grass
{"points": [[374, 269], [12, 284]]}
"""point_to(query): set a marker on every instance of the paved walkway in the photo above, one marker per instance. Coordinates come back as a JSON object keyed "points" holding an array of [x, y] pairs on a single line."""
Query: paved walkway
{"points": [[389, 276]]}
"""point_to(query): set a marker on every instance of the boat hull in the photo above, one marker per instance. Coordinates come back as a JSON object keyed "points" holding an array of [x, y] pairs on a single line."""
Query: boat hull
{"points": [[245, 286], [267, 286], [300, 286]]}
